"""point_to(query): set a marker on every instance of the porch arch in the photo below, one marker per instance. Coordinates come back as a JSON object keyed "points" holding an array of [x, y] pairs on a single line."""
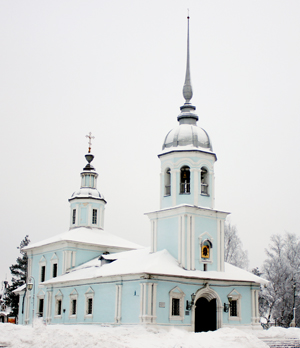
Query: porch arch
{"points": [[208, 294]]}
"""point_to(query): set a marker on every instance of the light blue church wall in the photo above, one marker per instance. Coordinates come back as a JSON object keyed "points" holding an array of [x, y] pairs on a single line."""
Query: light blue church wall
{"points": [[130, 302], [167, 235]]}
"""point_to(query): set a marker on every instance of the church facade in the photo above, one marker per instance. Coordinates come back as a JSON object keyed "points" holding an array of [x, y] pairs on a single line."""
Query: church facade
{"points": [[89, 276]]}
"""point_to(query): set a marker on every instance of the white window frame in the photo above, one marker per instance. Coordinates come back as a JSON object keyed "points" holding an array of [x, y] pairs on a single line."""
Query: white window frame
{"points": [[177, 293], [58, 297], [73, 296], [89, 295], [54, 260], [40, 296], [234, 295], [42, 263]]}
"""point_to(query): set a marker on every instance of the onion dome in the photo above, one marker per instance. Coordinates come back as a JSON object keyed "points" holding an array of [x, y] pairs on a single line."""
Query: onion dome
{"points": [[187, 136]]}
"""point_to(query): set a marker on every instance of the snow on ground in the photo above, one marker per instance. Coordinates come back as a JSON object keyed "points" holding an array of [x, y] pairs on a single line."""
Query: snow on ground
{"points": [[72, 336]]}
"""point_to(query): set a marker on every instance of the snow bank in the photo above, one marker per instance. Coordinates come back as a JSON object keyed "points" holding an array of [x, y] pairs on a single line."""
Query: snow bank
{"points": [[72, 336]]}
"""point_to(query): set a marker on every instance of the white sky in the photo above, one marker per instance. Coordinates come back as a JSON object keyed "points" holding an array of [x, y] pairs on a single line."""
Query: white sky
{"points": [[117, 68]]}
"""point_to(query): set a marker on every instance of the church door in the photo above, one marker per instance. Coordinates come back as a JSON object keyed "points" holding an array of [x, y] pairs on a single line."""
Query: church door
{"points": [[205, 315]]}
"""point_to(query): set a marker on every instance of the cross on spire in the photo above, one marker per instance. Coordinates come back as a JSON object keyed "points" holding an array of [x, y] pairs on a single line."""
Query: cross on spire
{"points": [[90, 140]]}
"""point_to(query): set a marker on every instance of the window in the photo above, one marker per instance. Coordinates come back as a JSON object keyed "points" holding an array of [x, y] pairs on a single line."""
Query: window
{"points": [[89, 299], [176, 304], [168, 182], [74, 216], [59, 303], [90, 306], [233, 308], [204, 181], [41, 307], [234, 299], [185, 180], [94, 221], [54, 270], [43, 273], [74, 304]]}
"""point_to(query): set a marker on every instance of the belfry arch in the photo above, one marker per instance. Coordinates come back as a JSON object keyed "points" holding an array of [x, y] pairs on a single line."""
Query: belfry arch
{"points": [[207, 309]]}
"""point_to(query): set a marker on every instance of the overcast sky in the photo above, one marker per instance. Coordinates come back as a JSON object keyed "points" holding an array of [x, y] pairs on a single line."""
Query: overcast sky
{"points": [[116, 68]]}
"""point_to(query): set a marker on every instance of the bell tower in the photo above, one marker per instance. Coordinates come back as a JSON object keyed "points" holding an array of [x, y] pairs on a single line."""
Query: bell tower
{"points": [[87, 204], [187, 224]]}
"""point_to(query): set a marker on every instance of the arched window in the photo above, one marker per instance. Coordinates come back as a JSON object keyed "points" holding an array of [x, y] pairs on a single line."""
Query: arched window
{"points": [[185, 180], [204, 181], [168, 182]]}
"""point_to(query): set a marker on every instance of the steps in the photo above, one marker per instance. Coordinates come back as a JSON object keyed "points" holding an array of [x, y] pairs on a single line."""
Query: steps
{"points": [[282, 342]]}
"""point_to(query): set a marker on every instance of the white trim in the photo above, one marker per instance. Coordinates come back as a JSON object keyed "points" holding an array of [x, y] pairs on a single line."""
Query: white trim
{"points": [[58, 297], [183, 233], [255, 307], [153, 236], [89, 294], [196, 185], [174, 184], [49, 306], [118, 305], [42, 263], [176, 293], [234, 295], [193, 242], [73, 296], [40, 296], [209, 294]]}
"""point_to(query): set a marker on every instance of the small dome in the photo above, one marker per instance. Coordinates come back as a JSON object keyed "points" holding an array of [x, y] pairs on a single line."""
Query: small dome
{"points": [[87, 192], [188, 135]]}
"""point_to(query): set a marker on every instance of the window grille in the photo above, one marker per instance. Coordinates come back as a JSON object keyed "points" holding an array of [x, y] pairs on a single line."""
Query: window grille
{"points": [[94, 221], [74, 216], [233, 308], [175, 306]]}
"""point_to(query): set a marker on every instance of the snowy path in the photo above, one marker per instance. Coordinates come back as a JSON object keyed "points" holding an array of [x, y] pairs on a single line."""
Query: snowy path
{"points": [[73, 336]]}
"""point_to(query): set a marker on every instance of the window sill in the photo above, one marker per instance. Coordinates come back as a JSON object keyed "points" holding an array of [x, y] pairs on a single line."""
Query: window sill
{"points": [[186, 193], [73, 316], [204, 194], [235, 318], [87, 316], [177, 317], [58, 316]]}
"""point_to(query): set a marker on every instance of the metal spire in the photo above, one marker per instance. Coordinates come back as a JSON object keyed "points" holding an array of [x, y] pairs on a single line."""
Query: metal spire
{"points": [[187, 88]]}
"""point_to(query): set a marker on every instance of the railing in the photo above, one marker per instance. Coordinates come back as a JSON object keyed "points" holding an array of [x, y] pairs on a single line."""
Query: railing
{"points": [[167, 190], [184, 187], [204, 189]]}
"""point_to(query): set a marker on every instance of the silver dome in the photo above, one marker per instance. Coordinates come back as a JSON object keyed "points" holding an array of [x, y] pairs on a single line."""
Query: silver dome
{"points": [[87, 192], [188, 134]]}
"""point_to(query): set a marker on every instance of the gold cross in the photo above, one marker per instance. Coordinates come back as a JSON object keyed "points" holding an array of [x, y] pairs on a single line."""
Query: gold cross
{"points": [[90, 140]]}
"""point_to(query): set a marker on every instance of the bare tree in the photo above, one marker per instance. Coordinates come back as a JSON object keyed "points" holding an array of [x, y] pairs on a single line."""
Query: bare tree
{"points": [[281, 268], [234, 253]]}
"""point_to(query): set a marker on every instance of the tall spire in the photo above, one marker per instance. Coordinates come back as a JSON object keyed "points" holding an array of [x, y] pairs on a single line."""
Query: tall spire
{"points": [[187, 115], [187, 88]]}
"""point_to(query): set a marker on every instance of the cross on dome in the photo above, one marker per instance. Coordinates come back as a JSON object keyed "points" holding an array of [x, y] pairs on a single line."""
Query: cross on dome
{"points": [[90, 140]]}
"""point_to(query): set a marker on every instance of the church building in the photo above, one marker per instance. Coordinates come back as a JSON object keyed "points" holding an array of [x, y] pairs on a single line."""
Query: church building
{"points": [[89, 276]]}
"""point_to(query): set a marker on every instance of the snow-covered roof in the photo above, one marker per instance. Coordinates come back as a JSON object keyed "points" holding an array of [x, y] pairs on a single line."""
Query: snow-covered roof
{"points": [[87, 235], [142, 261], [20, 288]]}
